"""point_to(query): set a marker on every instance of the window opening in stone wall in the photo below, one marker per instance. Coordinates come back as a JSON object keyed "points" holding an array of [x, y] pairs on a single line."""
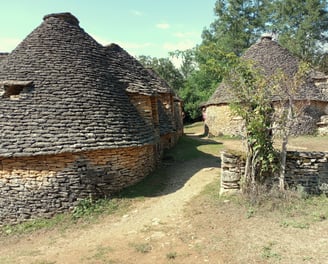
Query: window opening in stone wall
{"points": [[14, 89]]}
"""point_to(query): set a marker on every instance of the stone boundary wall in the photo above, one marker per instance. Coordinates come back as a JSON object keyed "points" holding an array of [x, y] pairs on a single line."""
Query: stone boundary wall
{"points": [[41, 186], [232, 170], [306, 169], [309, 170]]}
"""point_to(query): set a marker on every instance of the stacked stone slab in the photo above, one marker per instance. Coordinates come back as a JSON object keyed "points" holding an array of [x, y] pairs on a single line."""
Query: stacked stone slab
{"points": [[68, 129], [232, 170], [3, 55], [307, 171], [323, 125], [150, 94]]}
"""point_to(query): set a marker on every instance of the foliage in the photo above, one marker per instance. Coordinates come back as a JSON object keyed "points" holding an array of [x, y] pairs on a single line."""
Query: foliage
{"points": [[196, 90], [285, 88], [302, 27], [90, 207], [142, 247], [165, 69], [253, 103], [238, 25], [33, 225]]}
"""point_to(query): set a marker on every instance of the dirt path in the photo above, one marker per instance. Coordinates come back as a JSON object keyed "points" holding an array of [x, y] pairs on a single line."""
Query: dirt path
{"points": [[172, 227], [124, 239]]}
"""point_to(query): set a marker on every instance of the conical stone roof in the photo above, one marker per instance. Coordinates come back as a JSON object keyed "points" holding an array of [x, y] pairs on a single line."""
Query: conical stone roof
{"points": [[70, 102], [129, 71], [3, 55], [270, 56]]}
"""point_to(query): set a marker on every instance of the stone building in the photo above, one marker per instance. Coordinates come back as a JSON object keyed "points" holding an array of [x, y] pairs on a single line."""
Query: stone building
{"points": [[3, 55], [270, 56], [150, 94], [68, 129]]}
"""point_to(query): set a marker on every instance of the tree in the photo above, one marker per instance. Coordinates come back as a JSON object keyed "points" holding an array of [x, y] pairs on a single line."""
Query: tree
{"points": [[165, 69], [249, 87], [196, 90], [302, 27], [187, 59], [239, 24], [285, 88]]}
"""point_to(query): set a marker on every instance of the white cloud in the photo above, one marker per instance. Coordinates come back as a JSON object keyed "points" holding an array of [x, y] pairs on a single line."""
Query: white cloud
{"points": [[136, 13], [101, 40], [186, 34], [8, 44], [134, 45], [181, 45], [163, 25]]}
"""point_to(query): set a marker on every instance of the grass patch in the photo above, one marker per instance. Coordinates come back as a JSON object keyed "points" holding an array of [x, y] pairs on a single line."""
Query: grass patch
{"points": [[34, 225], [87, 210], [186, 149], [171, 255], [295, 224], [101, 253], [152, 184], [268, 253], [292, 208], [90, 208], [142, 247], [191, 148]]}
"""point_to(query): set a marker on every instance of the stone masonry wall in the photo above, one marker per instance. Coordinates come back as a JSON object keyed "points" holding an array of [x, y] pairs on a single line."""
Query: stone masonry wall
{"points": [[221, 121], [41, 186], [232, 170], [144, 106], [306, 169], [309, 170]]}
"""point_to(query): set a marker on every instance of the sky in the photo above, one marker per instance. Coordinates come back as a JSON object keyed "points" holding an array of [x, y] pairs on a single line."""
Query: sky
{"points": [[142, 27]]}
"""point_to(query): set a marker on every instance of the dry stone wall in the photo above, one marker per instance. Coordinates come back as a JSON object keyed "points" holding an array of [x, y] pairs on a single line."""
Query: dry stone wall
{"points": [[309, 170], [232, 169], [305, 170], [221, 121], [40, 186]]}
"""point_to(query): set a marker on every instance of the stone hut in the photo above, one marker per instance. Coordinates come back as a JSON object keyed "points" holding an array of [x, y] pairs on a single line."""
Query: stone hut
{"points": [[68, 129], [150, 94], [3, 55], [270, 56], [170, 111]]}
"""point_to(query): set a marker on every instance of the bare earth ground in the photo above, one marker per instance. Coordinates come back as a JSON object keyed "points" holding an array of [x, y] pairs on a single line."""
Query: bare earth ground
{"points": [[181, 225]]}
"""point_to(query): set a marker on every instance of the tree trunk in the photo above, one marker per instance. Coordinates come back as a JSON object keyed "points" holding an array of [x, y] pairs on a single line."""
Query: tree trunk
{"points": [[285, 135], [283, 162]]}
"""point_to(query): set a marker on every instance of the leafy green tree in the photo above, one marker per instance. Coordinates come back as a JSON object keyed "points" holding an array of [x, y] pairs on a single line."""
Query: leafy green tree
{"points": [[302, 27], [196, 90], [188, 61], [165, 69], [249, 87], [239, 24]]}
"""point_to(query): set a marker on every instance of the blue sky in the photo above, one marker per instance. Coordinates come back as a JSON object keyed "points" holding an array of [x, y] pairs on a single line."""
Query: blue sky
{"points": [[142, 27]]}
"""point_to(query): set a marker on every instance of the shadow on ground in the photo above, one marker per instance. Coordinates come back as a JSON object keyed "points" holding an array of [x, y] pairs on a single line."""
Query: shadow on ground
{"points": [[191, 155]]}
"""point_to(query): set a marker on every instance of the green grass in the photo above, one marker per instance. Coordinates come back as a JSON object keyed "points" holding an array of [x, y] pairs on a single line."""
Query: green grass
{"points": [[268, 252], [186, 149], [142, 247], [191, 148], [171, 255], [34, 225]]}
